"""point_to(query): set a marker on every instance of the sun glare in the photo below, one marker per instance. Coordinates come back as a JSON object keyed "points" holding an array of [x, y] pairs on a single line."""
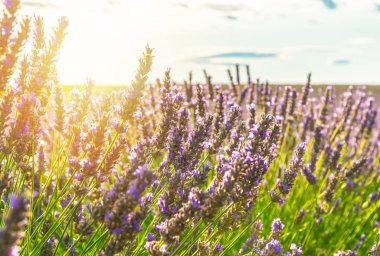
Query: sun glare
{"points": [[104, 37]]}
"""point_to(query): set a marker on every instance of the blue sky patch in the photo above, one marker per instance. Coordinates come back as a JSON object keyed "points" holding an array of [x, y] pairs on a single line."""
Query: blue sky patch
{"points": [[341, 62], [329, 4]]}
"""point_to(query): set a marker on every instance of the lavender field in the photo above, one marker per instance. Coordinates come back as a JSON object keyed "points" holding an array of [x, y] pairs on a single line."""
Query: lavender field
{"points": [[190, 168]]}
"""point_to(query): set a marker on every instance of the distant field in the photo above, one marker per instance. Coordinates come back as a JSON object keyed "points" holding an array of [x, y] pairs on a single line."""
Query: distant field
{"points": [[338, 87], [375, 89]]}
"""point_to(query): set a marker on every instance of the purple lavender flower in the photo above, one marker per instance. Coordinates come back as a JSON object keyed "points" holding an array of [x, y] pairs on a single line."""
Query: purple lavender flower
{"points": [[296, 250], [311, 177], [193, 199], [163, 206], [12, 231], [218, 248], [150, 237], [277, 225], [273, 247]]}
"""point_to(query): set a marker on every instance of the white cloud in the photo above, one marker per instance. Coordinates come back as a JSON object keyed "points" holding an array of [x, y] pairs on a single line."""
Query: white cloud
{"points": [[362, 41]]}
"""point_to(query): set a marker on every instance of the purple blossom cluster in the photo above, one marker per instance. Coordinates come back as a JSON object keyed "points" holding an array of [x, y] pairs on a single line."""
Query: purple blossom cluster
{"points": [[270, 245]]}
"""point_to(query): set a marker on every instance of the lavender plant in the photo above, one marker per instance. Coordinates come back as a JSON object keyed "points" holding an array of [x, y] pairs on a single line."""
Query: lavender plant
{"points": [[179, 169]]}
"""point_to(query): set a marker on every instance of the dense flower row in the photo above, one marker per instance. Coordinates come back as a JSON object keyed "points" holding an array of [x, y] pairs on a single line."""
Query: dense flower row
{"points": [[246, 168]]}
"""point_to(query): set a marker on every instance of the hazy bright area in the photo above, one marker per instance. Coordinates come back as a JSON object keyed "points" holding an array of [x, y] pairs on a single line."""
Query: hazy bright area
{"points": [[338, 40]]}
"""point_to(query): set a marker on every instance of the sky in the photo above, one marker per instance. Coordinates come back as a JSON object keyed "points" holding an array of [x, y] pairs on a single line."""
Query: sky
{"points": [[337, 40]]}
